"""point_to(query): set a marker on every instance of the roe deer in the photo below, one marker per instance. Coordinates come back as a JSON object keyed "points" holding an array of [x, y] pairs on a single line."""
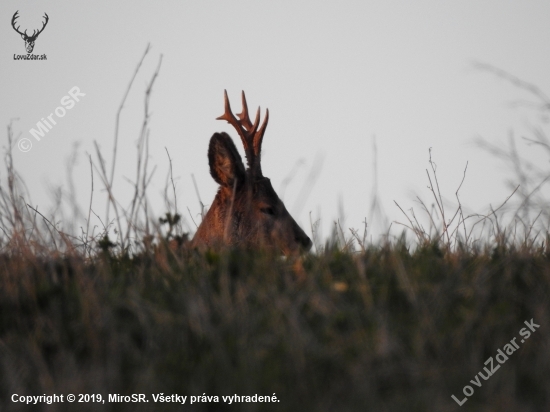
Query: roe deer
{"points": [[246, 210]]}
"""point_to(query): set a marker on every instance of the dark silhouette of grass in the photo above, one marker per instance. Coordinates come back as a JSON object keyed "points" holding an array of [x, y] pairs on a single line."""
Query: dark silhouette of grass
{"points": [[385, 329]]}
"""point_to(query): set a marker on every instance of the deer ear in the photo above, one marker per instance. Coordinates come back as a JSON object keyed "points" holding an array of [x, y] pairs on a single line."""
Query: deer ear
{"points": [[226, 165]]}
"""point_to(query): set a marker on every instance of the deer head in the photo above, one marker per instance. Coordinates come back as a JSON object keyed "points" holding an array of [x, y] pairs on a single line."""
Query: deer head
{"points": [[246, 210], [29, 40]]}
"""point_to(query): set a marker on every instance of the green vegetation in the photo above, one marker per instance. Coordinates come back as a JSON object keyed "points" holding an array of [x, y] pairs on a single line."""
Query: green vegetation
{"points": [[381, 330]]}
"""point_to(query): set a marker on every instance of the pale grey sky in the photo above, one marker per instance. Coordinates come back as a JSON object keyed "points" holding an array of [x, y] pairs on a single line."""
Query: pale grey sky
{"points": [[334, 75]]}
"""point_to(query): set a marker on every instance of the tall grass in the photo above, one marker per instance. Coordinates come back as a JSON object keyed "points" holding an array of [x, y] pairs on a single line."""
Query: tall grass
{"points": [[385, 329]]}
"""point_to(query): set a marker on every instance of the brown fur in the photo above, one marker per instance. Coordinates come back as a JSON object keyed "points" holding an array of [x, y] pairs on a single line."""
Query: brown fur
{"points": [[246, 210]]}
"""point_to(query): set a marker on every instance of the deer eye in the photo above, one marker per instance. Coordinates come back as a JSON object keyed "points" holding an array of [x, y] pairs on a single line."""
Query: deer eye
{"points": [[267, 210]]}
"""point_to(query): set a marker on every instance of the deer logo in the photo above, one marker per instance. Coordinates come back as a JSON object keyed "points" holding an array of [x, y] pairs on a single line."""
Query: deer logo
{"points": [[246, 210], [29, 40]]}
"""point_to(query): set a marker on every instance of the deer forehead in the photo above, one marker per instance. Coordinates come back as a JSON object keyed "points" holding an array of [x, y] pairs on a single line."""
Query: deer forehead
{"points": [[263, 188]]}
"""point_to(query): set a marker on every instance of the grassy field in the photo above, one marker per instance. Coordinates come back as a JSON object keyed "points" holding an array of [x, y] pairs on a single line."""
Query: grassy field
{"points": [[385, 329]]}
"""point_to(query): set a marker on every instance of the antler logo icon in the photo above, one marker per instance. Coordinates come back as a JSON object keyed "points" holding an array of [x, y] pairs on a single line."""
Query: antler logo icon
{"points": [[29, 40]]}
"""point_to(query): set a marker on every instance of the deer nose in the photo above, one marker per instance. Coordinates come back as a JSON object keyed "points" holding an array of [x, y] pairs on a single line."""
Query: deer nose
{"points": [[305, 242]]}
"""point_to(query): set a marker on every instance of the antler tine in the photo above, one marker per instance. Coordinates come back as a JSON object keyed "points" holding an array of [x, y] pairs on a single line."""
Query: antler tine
{"points": [[251, 128], [45, 23], [256, 122], [15, 17], [259, 135], [243, 116]]}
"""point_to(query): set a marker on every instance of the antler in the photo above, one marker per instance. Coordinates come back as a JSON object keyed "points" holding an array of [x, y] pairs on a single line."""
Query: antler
{"points": [[34, 33], [250, 135], [43, 26], [15, 16]]}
